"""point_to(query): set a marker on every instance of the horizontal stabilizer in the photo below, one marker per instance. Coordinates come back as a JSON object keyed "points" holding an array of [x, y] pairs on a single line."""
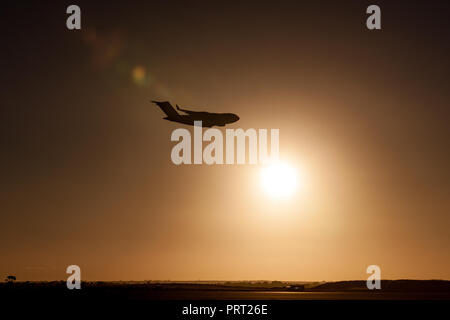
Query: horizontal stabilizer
{"points": [[167, 108]]}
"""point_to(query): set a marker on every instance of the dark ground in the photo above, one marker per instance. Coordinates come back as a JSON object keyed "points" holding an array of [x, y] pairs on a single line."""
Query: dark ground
{"points": [[145, 291], [166, 300]]}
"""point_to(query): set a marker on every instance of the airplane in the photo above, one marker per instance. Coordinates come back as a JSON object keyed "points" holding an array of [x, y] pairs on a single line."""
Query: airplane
{"points": [[208, 119]]}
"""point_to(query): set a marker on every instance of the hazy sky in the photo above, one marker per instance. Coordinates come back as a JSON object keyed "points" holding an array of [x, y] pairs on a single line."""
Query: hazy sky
{"points": [[86, 175]]}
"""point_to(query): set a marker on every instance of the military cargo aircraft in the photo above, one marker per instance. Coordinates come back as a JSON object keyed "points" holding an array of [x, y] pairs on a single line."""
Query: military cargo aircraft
{"points": [[208, 119]]}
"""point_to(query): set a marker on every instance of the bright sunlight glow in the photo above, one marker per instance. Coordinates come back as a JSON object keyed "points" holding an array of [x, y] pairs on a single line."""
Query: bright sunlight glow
{"points": [[279, 179]]}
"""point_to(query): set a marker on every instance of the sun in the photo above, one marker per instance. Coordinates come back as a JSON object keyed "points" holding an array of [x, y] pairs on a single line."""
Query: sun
{"points": [[279, 180]]}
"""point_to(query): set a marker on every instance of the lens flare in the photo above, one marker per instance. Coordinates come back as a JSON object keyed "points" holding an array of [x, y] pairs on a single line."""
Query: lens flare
{"points": [[139, 75]]}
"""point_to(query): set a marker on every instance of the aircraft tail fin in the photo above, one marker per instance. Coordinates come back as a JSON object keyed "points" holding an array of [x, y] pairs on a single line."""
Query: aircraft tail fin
{"points": [[167, 108]]}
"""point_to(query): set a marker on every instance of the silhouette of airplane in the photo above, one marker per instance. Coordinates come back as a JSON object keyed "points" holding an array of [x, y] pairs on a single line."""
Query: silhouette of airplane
{"points": [[208, 119]]}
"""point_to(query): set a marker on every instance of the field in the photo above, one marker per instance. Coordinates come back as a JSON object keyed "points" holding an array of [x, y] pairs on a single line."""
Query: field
{"points": [[262, 290]]}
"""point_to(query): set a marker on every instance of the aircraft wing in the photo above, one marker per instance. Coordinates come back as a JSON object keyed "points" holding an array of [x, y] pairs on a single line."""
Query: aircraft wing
{"points": [[199, 113]]}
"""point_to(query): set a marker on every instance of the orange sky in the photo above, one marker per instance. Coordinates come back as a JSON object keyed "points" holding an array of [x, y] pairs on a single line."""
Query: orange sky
{"points": [[363, 116]]}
